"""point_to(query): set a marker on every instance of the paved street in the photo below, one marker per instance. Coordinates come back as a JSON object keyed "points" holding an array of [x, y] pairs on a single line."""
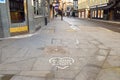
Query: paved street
{"points": [[94, 46]]}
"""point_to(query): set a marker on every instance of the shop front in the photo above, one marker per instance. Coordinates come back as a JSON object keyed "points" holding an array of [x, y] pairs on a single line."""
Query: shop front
{"points": [[98, 12], [117, 12], [22, 16], [18, 17], [107, 11], [83, 13]]}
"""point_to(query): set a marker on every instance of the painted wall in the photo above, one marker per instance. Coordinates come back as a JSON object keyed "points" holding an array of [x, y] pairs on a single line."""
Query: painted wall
{"points": [[82, 4], [87, 3], [97, 2]]}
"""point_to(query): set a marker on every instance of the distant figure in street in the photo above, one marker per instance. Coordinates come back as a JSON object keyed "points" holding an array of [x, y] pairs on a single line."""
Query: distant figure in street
{"points": [[60, 12], [71, 13]]}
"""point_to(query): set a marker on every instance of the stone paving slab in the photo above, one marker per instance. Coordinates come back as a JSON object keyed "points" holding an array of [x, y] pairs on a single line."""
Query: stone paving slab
{"points": [[4, 72], [112, 61], [26, 78], [18, 66], [109, 74], [1, 76], [42, 74], [28, 58]]}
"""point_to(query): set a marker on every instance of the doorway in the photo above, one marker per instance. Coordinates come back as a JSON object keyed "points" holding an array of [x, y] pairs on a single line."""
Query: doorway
{"points": [[1, 28], [18, 16]]}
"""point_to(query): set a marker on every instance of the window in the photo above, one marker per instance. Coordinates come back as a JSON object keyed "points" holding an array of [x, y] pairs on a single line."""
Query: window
{"points": [[99, 13], [17, 13], [40, 7], [95, 14], [46, 8], [37, 7], [102, 13]]}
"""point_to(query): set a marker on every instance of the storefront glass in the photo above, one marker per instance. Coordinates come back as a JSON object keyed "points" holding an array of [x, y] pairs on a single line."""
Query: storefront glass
{"points": [[102, 13], [17, 12], [37, 4], [40, 7]]}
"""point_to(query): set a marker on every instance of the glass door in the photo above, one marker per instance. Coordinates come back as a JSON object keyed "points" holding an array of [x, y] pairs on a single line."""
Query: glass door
{"points": [[18, 16]]}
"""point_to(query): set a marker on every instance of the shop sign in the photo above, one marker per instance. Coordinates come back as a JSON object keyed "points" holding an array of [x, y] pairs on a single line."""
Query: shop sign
{"points": [[2, 1], [102, 5], [93, 6]]}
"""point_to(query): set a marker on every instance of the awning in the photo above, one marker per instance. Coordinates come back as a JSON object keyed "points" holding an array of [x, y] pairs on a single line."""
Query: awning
{"points": [[105, 6], [110, 5]]}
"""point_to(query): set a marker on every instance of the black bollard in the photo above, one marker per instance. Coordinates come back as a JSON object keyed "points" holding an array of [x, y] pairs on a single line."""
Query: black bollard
{"points": [[45, 21]]}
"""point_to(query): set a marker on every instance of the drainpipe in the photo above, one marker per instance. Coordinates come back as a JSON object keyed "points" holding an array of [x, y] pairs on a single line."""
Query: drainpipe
{"points": [[45, 17]]}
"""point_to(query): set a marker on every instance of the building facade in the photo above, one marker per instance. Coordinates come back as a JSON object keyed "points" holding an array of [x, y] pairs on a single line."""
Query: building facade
{"points": [[99, 9], [83, 9], [96, 9], [22, 16], [75, 8]]}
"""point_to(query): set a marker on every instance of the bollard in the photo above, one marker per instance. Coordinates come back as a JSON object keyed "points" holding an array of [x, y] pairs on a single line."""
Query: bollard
{"points": [[45, 20]]}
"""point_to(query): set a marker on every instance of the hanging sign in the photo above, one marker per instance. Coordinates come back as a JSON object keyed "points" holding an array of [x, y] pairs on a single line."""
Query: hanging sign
{"points": [[2, 1]]}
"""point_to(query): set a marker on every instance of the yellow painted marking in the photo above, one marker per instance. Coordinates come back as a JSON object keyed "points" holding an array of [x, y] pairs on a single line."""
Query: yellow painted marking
{"points": [[109, 30], [70, 30], [19, 29]]}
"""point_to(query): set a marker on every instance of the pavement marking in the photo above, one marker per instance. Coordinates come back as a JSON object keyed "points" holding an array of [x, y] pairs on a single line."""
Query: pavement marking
{"points": [[61, 62], [74, 27], [18, 29], [70, 30], [77, 41], [107, 30]]}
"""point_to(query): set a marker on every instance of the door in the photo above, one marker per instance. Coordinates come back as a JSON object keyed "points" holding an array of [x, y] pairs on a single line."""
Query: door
{"points": [[1, 29], [18, 16]]}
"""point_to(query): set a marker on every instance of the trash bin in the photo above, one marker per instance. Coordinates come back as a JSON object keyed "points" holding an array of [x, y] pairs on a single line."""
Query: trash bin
{"points": [[45, 20]]}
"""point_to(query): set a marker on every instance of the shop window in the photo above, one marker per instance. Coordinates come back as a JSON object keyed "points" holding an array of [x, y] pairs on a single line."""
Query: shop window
{"points": [[95, 14], [37, 4], [46, 8], [40, 7], [102, 12], [17, 11], [117, 13], [99, 13]]}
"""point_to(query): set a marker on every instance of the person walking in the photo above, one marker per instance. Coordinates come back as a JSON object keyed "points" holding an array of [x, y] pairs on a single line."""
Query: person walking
{"points": [[62, 14]]}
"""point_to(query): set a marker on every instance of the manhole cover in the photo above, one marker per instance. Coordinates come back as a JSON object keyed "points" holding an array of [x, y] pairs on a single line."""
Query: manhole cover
{"points": [[55, 49]]}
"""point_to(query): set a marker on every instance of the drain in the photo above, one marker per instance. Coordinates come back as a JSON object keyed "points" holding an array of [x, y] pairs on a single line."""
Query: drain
{"points": [[42, 48], [6, 77], [55, 49]]}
